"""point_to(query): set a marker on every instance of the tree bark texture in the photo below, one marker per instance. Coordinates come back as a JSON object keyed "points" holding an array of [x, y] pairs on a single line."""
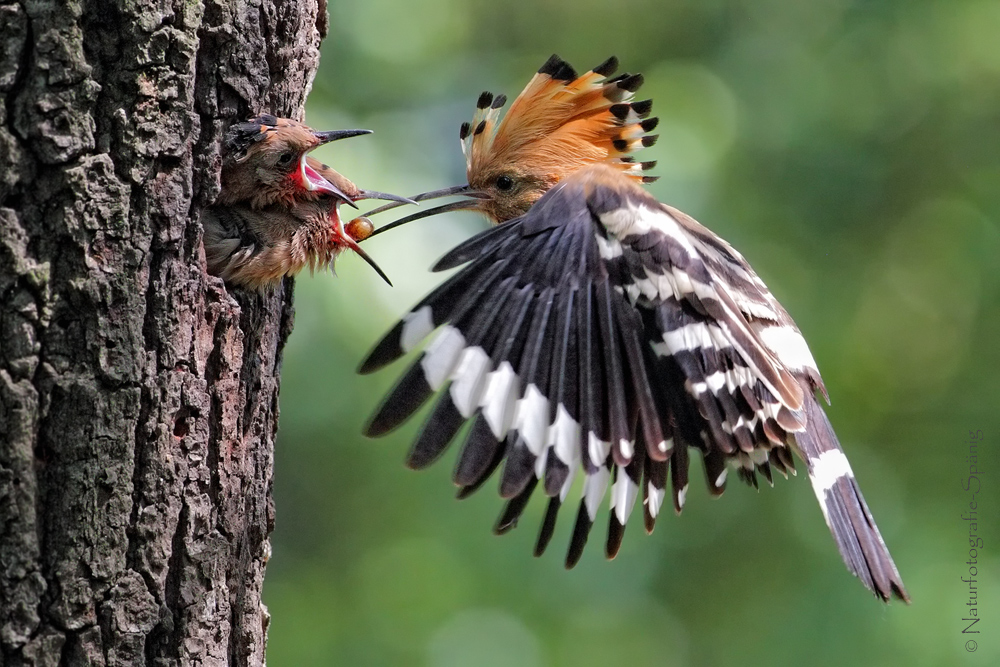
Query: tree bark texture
{"points": [[138, 397]]}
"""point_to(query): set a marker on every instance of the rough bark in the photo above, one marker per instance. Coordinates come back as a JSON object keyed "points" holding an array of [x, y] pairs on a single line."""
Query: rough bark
{"points": [[138, 397]]}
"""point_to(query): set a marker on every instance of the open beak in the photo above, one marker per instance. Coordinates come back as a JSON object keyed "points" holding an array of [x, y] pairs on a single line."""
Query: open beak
{"points": [[353, 245], [471, 202], [312, 179], [348, 241]]}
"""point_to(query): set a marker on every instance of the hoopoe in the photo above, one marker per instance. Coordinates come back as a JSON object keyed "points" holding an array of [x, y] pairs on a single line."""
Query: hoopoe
{"points": [[559, 123], [597, 330], [277, 211]]}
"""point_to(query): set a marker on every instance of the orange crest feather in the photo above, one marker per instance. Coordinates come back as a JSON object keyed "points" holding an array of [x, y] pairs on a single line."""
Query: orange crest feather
{"points": [[561, 122]]}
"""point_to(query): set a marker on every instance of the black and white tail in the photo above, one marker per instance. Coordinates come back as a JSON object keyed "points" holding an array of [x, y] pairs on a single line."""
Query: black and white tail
{"points": [[844, 508]]}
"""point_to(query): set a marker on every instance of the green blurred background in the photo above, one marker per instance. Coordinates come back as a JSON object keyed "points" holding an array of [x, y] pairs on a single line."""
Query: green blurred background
{"points": [[851, 151]]}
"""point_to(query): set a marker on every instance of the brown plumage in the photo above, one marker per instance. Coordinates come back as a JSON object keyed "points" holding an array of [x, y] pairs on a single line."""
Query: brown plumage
{"points": [[559, 123], [278, 209], [257, 247], [266, 164]]}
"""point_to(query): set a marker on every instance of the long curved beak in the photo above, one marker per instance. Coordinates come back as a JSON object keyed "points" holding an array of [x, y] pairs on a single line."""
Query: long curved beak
{"points": [[334, 135], [473, 197], [457, 190], [373, 194], [353, 245], [347, 240], [312, 179]]}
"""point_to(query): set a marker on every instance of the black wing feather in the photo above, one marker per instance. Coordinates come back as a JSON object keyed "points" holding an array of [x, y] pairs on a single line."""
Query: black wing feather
{"points": [[617, 334]]}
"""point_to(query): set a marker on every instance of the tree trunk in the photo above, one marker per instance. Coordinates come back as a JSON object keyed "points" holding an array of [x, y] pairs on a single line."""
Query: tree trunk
{"points": [[138, 398]]}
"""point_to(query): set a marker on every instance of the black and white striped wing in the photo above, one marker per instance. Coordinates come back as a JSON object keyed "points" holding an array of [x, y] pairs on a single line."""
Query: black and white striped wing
{"points": [[605, 333], [745, 368]]}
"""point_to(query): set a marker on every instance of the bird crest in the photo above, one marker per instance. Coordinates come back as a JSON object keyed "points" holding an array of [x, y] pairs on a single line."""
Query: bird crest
{"points": [[241, 136], [561, 122]]}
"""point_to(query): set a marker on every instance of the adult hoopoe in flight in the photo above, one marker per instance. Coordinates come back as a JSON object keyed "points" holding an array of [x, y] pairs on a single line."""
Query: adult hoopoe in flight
{"points": [[277, 211], [597, 330]]}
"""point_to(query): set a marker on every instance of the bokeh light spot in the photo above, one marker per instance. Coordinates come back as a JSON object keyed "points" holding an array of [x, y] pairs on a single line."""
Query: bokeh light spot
{"points": [[697, 114], [485, 638]]}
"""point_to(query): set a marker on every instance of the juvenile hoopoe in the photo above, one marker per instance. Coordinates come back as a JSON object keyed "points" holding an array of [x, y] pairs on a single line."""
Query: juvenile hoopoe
{"points": [[278, 208], [606, 332]]}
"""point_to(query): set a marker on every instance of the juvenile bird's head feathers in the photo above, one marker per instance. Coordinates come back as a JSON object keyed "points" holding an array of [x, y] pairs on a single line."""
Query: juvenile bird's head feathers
{"points": [[266, 163], [277, 211]]}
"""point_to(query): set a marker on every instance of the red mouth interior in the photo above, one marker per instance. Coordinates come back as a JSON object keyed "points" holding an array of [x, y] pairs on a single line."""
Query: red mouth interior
{"points": [[311, 178]]}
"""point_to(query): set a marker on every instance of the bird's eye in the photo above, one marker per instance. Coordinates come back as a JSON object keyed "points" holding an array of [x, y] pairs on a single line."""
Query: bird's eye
{"points": [[505, 182], [285, 159]]}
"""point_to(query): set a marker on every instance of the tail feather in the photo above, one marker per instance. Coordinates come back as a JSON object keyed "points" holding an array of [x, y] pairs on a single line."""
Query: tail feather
{"points": [[844, 508]]}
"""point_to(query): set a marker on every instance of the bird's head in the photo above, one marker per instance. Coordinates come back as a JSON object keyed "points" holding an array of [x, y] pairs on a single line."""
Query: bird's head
{"points": [[559, 123], [266, 163]]}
